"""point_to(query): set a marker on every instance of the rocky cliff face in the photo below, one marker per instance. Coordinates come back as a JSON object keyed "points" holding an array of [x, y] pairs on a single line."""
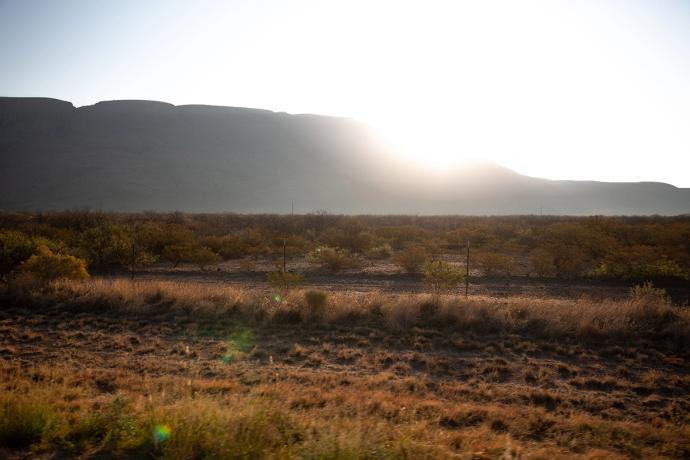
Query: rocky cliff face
{"points": [[145, 155]]}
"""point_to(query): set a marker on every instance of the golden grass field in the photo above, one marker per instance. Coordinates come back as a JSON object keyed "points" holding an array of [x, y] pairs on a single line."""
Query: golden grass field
{"points": [[149, 369]]}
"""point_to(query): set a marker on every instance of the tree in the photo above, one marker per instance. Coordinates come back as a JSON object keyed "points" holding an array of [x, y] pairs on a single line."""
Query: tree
{"points": [[47, 266], [98, 244], [176, 253], [441, 277], [129, 250]]}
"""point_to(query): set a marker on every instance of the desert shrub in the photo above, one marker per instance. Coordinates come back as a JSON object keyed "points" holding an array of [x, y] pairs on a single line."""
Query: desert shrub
{"points": [[282, 283], [248, 242], [332, 259], [411, 259], [227, 246], [569, 260], [401, 236], [316, 301], [542, 262], [155, 236], [382, 251], [350, 239], [16, 247], [481, 236], [647, 292], [96, 244], [633, 265], [662, 268], [128, 249], [494, 263], [203, 257], [442, 278], [636, 248], [45, 265], [176, 253]]}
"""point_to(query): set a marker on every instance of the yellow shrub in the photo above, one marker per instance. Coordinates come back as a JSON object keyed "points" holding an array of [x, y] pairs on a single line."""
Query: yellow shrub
{"points": [[48, 266]]}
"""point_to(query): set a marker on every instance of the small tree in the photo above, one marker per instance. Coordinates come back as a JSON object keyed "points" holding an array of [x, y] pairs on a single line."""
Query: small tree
{"points": [[96, 243], [442, 278], [130, 251], [176, 253], [46, 266], [411, 259], [203, 257]]}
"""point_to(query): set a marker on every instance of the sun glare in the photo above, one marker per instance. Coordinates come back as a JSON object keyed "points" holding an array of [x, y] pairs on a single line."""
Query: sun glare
{"points": [[548, 88], [431, 144]]}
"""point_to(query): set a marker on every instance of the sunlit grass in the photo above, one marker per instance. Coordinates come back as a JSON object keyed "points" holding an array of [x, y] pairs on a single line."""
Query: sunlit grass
{"points": [[583, 318], [183, 370]]}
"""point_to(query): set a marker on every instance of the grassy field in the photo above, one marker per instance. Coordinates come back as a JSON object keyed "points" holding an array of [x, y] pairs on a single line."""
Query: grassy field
{"points": [[121, 369]]}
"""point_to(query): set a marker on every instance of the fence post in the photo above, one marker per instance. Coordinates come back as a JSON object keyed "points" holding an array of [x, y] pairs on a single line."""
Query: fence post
{"points": [[467, 269]]}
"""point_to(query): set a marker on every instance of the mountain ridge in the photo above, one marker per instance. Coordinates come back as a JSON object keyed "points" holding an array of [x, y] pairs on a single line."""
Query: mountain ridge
{"points": [[134, 155]]}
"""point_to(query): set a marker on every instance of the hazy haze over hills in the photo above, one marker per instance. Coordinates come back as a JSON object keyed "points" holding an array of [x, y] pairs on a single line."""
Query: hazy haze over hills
{"points": [[146, 155]]}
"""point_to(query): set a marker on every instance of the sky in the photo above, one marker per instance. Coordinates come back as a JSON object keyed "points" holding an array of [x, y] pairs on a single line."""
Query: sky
{"points": [[586, 89]]}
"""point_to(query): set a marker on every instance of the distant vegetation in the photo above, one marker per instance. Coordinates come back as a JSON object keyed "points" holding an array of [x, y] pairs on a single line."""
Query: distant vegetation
{"points": [[624, 248]]}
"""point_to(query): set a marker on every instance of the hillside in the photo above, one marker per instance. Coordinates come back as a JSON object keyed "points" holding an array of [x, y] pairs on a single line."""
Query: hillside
{"points": [[145, 155]]}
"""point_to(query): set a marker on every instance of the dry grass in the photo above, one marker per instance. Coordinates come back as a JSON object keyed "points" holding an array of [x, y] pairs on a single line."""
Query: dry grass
{"points": [[98, 369], [583, 318]]}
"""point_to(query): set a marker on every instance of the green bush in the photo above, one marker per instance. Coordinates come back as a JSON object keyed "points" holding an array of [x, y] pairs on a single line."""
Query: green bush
{"points": [[442, 278]]}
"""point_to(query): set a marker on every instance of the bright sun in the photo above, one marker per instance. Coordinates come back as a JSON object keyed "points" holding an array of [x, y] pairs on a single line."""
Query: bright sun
{"points": [[433, 145], [588, 89]]}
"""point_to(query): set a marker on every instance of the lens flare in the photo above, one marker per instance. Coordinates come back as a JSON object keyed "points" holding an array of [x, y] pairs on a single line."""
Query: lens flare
{"points": [[161, 433], [238, 344], [277, 298]]}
